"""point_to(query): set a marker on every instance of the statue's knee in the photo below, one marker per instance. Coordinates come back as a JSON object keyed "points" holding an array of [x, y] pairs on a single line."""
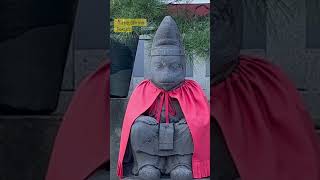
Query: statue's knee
{"points": [[181, 173], [149, 173], [137, 127], [147, 120], [143, 123]]}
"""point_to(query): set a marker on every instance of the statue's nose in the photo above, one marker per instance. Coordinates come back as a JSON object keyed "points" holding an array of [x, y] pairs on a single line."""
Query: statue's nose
{"points": [[166, 75]]}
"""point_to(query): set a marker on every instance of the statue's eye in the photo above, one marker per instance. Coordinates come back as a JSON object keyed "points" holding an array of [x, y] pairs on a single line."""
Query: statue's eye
{"points": [[176, 66], [159, 65]]}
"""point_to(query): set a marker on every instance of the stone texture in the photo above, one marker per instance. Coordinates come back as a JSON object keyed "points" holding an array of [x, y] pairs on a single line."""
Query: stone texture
{"points": [[118, 107], [288, 33], [312, 101], [100, 175], [254, 52], [313, 24], [286, 39], [2, 146], [294, 63], [26, 146], [167, 179], [194, 179], [68, 75], [65, 98], [199, 74], [134, 83], [91, 26], [87, 61], [147, 42], [317, 120], [313, 75], [254, 27]]}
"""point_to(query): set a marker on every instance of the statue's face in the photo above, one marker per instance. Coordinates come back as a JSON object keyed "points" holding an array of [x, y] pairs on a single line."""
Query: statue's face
{"points": [[167, 72]]}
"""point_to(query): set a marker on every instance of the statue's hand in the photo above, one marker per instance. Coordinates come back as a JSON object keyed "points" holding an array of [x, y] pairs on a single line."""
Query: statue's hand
{"points": [[147, 119], [182, 121]]}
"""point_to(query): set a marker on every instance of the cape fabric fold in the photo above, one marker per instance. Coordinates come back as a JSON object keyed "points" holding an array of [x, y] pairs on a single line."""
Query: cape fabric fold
{"points": [[266, 126], [82, 143], [195, 108]]}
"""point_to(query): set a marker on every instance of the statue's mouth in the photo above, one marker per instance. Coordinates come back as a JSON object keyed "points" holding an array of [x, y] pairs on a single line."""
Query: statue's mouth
{"points": [[167, 83]]}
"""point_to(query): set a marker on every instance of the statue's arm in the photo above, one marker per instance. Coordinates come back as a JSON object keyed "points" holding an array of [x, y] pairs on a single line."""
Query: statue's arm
{"points": [[146, 119]]}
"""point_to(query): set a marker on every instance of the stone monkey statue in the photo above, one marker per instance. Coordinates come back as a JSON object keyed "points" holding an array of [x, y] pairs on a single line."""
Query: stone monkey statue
{"points": [[164, 148]]}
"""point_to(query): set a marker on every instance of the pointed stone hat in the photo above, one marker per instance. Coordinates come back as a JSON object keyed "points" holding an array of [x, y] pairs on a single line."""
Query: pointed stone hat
{"points": [[167, 40]]}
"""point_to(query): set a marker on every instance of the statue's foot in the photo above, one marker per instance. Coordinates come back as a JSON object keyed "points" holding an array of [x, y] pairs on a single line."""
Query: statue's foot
{"points": [[149, 173], [181, 173]]}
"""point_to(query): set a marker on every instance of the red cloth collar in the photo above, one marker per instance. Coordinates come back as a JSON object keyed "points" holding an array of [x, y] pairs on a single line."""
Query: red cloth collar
{"points": [[195, 108]]}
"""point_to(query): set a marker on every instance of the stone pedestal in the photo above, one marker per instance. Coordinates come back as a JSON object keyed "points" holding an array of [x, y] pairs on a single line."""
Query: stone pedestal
{"points": [[25, 146]]}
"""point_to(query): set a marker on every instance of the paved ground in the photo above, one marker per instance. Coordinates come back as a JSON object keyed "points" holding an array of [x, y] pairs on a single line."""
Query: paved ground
{"points": [[169, 179]]}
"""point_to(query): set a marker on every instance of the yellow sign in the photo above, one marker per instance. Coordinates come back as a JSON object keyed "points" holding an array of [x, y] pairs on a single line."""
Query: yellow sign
{"points": [[123, 29], [125, 25]]}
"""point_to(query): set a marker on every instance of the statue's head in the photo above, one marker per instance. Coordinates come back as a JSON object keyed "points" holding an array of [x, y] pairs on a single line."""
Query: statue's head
{"points": [[168, 64]]}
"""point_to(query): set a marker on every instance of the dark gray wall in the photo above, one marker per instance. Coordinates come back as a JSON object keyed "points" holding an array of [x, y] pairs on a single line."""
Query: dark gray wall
{"points": [[313, 23], [92, 29], [26, 141], [288, 36]]}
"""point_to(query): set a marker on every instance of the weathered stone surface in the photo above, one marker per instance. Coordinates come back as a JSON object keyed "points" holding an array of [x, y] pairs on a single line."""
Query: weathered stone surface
{"points": [[32, 68], [254, 52], [286, 27], [92, 25], [254, 26], [136, 178], [286, 39], [312, 101], [87, 61], [27, 145], [313, 24], [68, 75], [2, 146], [317, 120], [118, 107], [65, 98], [313, 76], [100, 175], [294, 63]]}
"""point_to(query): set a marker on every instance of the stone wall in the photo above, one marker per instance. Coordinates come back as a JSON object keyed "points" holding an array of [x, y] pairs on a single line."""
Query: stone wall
{"points": [[287, 37], [26, 141]]}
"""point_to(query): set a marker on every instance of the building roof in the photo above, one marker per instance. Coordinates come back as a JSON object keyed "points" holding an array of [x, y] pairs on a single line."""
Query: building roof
{"points": [[202, 9]]}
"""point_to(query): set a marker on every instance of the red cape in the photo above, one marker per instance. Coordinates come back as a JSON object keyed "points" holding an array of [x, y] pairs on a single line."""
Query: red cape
{"points": [[266, 126], [82, 143], [195, 108]]}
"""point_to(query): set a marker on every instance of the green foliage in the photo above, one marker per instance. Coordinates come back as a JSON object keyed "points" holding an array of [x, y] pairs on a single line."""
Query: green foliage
{"points": [[152, 10], [195, 30], [195, 35]]}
